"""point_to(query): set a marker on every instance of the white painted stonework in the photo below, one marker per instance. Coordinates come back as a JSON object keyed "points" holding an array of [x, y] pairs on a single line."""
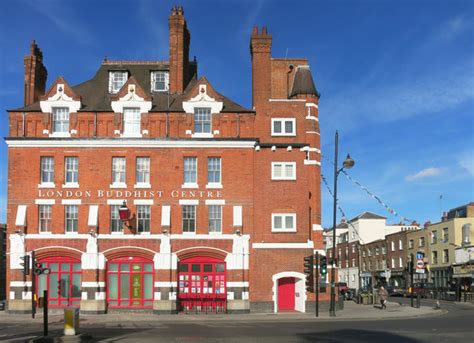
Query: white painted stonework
{"points": [[300, 301], [239, 258], [164, 260], [60, 99], [131, 99], [202, 100], [17, 250]]}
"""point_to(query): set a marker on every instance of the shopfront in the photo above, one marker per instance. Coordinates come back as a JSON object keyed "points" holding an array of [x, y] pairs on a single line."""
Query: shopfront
{"points": [[63, 281], [130, 283], [202, 285]]}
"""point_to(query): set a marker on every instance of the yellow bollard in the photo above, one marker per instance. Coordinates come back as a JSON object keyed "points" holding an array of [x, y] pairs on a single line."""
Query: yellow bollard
{"points": [[71, 321]]}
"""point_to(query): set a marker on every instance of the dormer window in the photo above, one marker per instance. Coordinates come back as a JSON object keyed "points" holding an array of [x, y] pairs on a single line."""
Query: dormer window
{"points": [[202, 120], [60, 117], [116, 80], [159, 81]]}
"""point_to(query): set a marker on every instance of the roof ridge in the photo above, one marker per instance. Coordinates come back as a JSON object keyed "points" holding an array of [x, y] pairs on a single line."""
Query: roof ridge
{"points": [[118, 62]]}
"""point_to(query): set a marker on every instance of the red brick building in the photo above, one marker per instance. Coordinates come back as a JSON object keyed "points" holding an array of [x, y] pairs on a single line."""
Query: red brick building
{"points": [[223, 201]]}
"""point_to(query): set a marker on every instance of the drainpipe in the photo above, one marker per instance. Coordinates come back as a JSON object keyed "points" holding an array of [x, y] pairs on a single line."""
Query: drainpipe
{"points": [[95, 124], [238, 125], [24, 124]]}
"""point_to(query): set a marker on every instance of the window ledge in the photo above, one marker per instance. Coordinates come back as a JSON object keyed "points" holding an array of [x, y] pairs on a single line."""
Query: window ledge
{"points": [[283, 135], [283, 230], [202, 135], [47, 185], [60, 134], [131, 135], [118, 185], [215, 233], [284, 179], [45, 233], [71, 233], [71, 185], [144, 233], [117, 233], [190, 185], [189, 233], [214, 185], [142, 185]]}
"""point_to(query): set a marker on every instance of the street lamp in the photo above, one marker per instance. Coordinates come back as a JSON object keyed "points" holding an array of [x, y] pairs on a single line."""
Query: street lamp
{"points": [[124, 214], [347, 164]]}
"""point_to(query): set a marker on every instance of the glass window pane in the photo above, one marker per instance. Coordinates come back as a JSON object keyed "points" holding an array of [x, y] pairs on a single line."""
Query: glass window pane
{"points": [[277, 222], [76, 285], [288, 126], [113, 267], [196, 268], [53, 285], [277, 126], [190, 170], [289, 222], [183, 267], [112, 286], [148, 267], [64, 285], [65, 267], [219, 267], [124, 267], [124, 286], [148, 286], [76, 267], [208, 268], [53, 267]]}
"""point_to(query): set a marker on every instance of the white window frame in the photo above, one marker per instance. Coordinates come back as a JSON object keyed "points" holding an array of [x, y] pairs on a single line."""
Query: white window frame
{"points": [[142, 170], [283, 222], [215, 219], [400, 261], [421, 241], [400, 244], [282, 121], [194, 207], [45, 218], [394, 265], [115, 217], [212, 169], [117, 170], [71, 214], [60, 116], [144, 216], [199, 114], [49, 171], [445, 255], [283, 175], [71, 167], [113, 84], [190, 184], [164, 75], [392, 243], [132, 119]]}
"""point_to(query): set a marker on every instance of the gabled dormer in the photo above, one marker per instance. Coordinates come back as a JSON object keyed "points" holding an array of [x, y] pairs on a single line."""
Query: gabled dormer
{"points": [[203, 103], [131, 102], [117, 78], [60, 104]]}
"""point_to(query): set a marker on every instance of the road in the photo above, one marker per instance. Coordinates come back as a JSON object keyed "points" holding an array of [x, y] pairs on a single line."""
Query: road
{"points": [[457, 325]]}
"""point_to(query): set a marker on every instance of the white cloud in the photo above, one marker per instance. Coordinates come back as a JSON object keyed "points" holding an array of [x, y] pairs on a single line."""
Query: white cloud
{"points": [[466, 161], [428, 172]]}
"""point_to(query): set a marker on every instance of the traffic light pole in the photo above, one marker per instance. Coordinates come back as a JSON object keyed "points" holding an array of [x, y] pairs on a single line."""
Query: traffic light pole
{"points": [[316, 284], [411, 279], [33, 285]]}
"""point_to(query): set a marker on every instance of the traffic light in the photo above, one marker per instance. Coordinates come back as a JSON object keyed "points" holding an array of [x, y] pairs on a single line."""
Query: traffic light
{"points": [[40, 270], [26, 264], [323, 265], [309, 271]]}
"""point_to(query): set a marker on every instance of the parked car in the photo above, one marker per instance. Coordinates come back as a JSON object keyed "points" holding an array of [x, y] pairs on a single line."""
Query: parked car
{"points": [[424, 289], [395, 291]]}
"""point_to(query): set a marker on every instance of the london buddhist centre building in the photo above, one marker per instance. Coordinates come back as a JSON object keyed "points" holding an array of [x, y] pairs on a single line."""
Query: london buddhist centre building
{"points": [[146, 188]]}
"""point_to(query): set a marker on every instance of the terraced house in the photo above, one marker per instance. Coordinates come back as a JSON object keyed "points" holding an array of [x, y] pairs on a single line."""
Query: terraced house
{"points": [[144, 187]]}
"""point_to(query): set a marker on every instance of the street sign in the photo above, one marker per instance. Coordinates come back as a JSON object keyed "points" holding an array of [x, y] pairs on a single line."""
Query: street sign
{"points": [[419, 255], [420, 264], [420, 271]]}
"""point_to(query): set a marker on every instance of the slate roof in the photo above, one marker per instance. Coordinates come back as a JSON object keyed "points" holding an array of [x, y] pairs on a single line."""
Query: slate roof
{"points": [[303, 82], [367, 215], [95, 94]]}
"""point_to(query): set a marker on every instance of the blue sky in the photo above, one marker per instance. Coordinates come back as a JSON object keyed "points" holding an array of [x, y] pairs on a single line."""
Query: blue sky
{"points": [[396, 78]]}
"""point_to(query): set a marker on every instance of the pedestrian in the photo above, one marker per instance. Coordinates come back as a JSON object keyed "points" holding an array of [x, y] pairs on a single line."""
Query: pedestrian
{"points": [[383, 295]]}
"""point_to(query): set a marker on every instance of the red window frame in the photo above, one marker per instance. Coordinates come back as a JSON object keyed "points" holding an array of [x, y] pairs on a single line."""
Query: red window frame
{"points": [[129, 301], [59, 301], [202, 284]]}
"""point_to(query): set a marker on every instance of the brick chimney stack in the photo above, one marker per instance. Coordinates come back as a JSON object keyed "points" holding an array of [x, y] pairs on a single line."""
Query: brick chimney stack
{"points": [[35, 75], [179, 50], [260, 51]]}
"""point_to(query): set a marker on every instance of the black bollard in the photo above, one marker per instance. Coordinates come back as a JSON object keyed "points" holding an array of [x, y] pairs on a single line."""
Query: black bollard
{"points": [[45, 313], [418, 300]]}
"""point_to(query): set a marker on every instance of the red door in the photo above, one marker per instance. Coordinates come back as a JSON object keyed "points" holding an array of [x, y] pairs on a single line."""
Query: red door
{"points": [[286, 294]]}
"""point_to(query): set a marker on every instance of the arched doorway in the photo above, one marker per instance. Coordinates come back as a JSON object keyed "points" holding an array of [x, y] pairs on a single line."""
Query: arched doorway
{"points": [[289, 293], [63, 282], [202, 285], [130, 282]]}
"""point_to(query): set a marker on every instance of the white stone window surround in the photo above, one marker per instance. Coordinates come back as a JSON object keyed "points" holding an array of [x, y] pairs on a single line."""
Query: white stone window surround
{"points": [[159, 76], [193, 185], [131, 120], [60, 99], [283, 175], [283, 221], [131, 100], [283, 127], [203, 100]]}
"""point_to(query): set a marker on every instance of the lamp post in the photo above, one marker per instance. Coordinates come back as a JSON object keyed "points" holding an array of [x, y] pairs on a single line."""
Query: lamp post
{"points": [[348, 163], [124, 214]]}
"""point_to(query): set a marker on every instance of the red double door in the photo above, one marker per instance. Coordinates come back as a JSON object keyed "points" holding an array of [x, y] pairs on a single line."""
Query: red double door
{"points": [[286, 294], [202, 285]]}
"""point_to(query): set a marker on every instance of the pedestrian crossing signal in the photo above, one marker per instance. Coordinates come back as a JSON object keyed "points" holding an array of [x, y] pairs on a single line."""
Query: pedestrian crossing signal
{"points": [[26, 264], [309, 271], [40, 270]]}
